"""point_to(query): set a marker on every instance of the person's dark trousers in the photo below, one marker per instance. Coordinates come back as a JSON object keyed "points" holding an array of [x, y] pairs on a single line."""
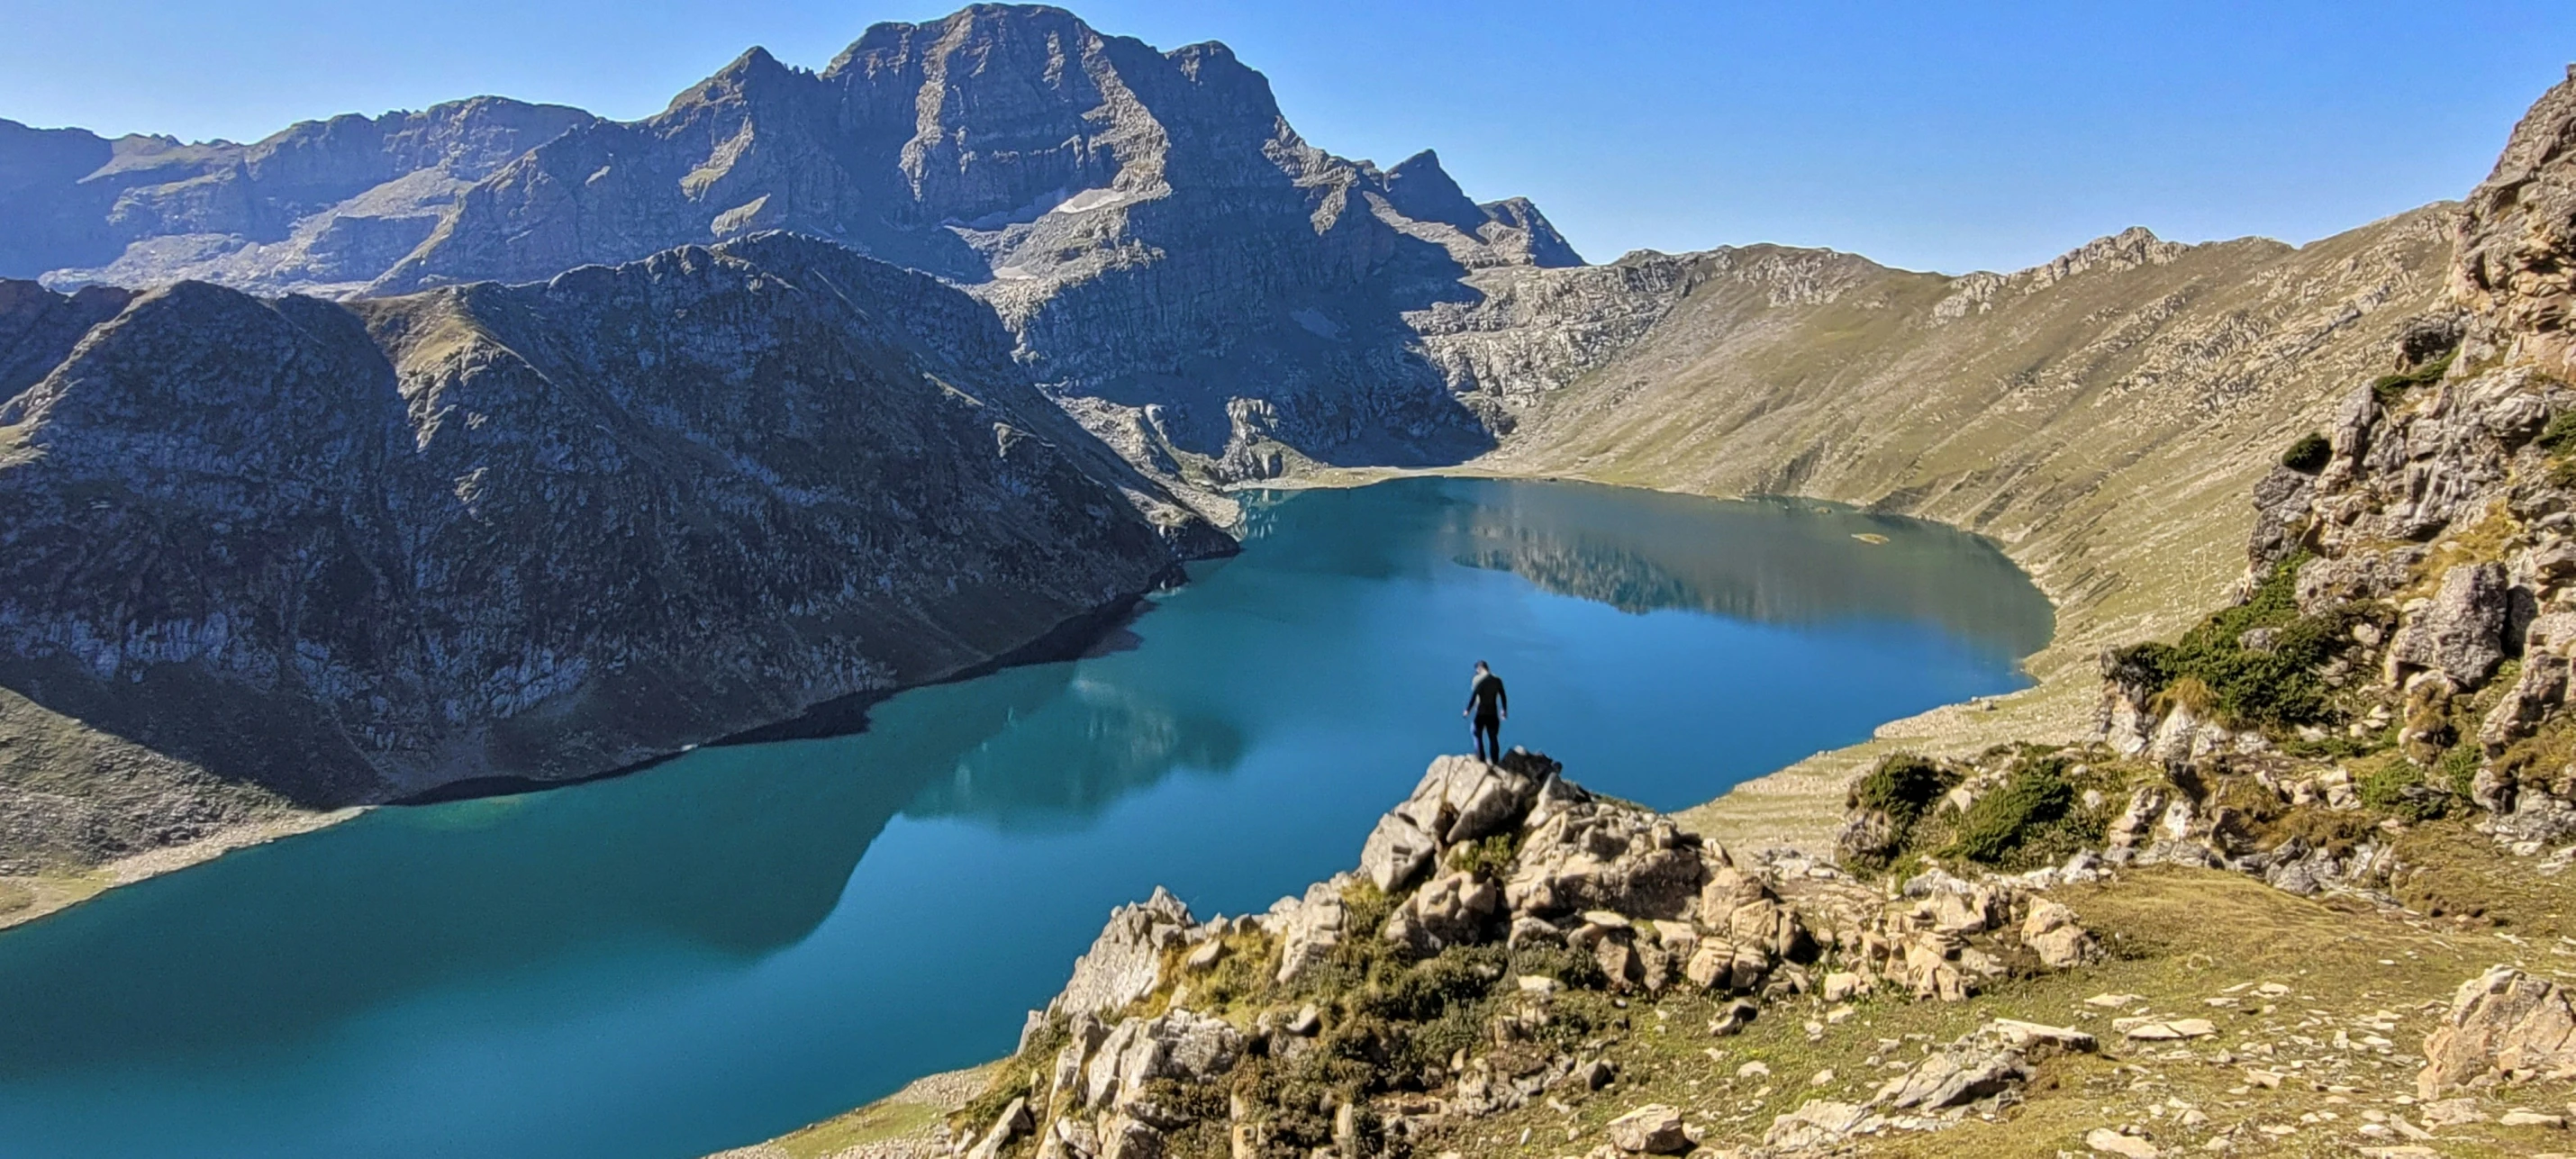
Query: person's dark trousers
{"points": [[1489, 740]]}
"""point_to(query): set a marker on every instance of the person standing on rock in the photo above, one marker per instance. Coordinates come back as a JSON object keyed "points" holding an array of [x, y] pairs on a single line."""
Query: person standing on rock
{"points": [[1487, 706]]}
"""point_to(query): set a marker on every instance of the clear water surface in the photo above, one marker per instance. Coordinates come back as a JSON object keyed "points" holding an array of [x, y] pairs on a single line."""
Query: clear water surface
{"points": [[751, 937]]}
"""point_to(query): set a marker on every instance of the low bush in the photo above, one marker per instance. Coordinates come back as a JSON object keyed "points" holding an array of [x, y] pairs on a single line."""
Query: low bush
{"points": [[2399, 789], [1903, 786], [2274, 686], [2003, 823], [2309, 454]]}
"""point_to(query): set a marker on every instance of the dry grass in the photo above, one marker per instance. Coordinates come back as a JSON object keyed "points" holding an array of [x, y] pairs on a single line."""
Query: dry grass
{"points": [[2179, 939]]}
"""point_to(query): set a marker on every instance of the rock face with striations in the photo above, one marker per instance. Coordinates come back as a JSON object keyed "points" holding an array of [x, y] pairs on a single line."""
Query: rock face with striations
{"points": [[1195, 280], [352, 552]]}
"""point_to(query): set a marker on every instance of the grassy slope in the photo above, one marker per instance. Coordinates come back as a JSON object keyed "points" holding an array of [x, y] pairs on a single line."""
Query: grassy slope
{"points": [[2105, 430]]}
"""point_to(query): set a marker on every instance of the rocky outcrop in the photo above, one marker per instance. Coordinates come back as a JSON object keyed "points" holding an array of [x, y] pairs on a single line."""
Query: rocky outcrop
{"points": [[323, 206], [2504, 1026], [2514, 233], [1514, 891], [357, 552]]}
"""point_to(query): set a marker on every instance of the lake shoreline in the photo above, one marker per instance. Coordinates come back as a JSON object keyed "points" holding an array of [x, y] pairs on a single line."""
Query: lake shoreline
{"points": [[46, 894]]}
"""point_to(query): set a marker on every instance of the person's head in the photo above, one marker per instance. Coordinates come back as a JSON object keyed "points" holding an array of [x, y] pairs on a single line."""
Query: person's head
{"points": [[1481, 669]]}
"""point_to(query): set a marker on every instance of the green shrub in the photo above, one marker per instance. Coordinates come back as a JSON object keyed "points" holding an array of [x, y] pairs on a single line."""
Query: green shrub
{"points": [[2393, 387], [2459, 769], [2559, 437], [2276, 687], [2001, 822], [1491, 857], [1903, 786], [2309, 454], [2398, 788]]}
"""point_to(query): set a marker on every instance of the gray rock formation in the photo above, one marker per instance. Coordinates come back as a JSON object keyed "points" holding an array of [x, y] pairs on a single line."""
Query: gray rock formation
{"points": [[323, 206], [355, 552], [2503, 1026], [2460, 632], [1200, 284]]}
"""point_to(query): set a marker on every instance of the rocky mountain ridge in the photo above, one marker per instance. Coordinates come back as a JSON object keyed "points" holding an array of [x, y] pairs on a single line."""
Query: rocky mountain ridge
{"points": [[1194, 278], [353, 552]]}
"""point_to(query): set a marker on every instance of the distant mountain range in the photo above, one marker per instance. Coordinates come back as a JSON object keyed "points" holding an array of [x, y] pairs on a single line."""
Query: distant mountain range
{"points": [[1165, 249]]}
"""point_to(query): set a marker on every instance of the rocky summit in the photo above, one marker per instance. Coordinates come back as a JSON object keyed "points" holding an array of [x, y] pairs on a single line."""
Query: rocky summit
{"points": [[1171, 258], [349, 552]]}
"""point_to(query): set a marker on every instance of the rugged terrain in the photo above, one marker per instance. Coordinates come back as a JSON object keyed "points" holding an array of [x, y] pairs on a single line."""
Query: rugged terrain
{"points": [[1195, 279], [2294, 889], [294, 552]]}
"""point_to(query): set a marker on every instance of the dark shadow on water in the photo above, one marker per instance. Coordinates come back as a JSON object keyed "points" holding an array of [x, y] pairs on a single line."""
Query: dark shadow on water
{"points": [[734, 851]]}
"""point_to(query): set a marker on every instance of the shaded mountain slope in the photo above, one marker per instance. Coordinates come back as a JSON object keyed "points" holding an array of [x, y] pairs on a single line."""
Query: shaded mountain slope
{"points": [[352, 552]]}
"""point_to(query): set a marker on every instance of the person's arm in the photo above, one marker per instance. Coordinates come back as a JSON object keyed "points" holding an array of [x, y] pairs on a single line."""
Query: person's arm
{"points": [[1502, 698]]}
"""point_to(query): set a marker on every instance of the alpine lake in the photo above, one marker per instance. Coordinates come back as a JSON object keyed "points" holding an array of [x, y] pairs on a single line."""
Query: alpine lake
{"points": [[749, 937]]}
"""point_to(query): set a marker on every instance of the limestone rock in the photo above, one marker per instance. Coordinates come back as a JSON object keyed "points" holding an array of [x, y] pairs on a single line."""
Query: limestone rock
{"points": [[1177, 1044], [2503, 1026], [1453, 909], [2110, 1142], [1653, 1129], [2460, 634], [1308, 928], [1817, 1123], [1600, 856], [1124, 962], [2051, 931]]}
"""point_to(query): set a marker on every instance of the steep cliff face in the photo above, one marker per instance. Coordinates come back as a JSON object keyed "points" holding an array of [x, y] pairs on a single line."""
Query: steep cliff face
{"points": [[2436, 518], [353, 552], [324, 206]]}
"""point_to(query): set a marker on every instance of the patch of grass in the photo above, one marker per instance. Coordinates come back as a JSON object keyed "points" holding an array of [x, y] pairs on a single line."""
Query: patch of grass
{"points": [[1489, 858], [2559, 437], [2391, 388], [2398, 788], [15, 897], [874, 1123], [2308, 455]]}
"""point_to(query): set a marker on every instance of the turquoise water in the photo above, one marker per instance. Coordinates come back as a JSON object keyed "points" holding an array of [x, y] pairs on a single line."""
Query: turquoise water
{"points": [[748, 938]]}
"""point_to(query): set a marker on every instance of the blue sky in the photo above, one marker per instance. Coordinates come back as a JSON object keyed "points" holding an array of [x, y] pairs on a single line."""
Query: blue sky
{"points": [[1945, 136]]}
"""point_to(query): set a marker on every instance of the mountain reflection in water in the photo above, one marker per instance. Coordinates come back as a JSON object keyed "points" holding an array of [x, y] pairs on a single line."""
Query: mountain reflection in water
{"points": [[746, 938]]}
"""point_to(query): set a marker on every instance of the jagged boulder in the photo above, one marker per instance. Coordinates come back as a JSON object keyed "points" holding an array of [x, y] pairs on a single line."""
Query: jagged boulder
{"points": [[2540, 688], [1176, 1044], [1596, 856], [1125, 962], [2503, 1026], [2324, 582], [1653, 1129], [2459, 633], [1459, 799], [1455, 908], [2051, 931], [1308, 928]]}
